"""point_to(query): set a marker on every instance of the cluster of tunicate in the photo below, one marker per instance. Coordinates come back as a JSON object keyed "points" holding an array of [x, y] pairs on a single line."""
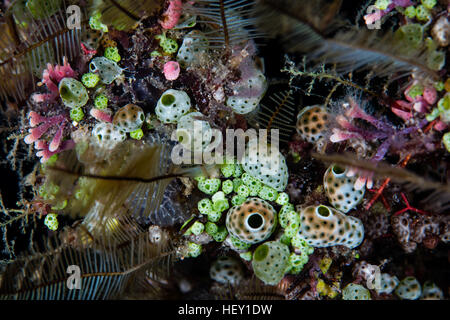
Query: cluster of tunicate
{"points": [[172, 105], [194, 134], [270, 261], [409, 289], [340, 189], [253, 221], [267, 165], [73, 93], [227, 270], [312, 123], [322, 226], [107, 69], [355, 291]]}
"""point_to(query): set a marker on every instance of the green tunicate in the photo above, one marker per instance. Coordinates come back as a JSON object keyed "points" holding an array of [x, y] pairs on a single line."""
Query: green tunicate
{"points": [[137, 134], [382, 4], [429, 4], [51, 221], [112, 53], [270, 261], [214, 215], [227, 186], [435, 60], [444, 108], [238, 171], [194, 249], [211, 228], [227, 169], [221, 205], [237, 200], [197, 228], [73, 93], [422, 13], [446, 141], [439, 86], [219, 195], [301, 245], [252, 183], [268, 193], [101, 101], [209, 186], [296, 262], [168, 45], [205, 206], [95, 22], [282, 215], [410, 35], [293, 223], [90, 80], [76, 114], [221, 234], [410, 12], [434, 114], [416, 90], [243, 191], [237, 182], [247, 256], [238, 244], [285, 239], [282, 199]]}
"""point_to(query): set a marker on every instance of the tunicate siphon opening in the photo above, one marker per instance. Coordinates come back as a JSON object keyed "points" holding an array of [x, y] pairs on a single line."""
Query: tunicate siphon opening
{"points": [[255, 221], [338, 170], [323, 211], [167, 99], [261, 252]]}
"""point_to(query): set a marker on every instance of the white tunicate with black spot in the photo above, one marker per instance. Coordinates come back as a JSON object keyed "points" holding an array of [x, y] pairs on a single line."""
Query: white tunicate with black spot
{"points": [[108, 135], [388, 283], [107, 69], [409, 289], [248, 93], [340, 189], [73, 93], [194, 43], [431, 292], [227, 270], [267, 165], [270, 261], [172, 105], [242, 105], [194, 134], [355, 292]]}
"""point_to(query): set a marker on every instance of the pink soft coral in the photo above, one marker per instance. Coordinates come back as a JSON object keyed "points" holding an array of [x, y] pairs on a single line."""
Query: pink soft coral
{"points": [[51, 77], [40, 125]]}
